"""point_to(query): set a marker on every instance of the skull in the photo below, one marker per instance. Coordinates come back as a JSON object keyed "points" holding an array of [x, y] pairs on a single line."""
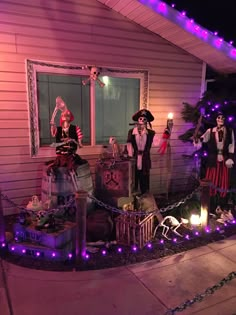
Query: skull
{"points": [[94, 72], [220, 120], [142, 120]]}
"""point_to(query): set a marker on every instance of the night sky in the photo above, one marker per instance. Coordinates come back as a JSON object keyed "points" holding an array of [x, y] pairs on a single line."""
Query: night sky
{"points": [[214, 15]]}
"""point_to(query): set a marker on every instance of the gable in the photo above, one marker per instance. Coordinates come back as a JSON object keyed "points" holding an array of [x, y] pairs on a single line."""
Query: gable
{"points": [[163, 20]]}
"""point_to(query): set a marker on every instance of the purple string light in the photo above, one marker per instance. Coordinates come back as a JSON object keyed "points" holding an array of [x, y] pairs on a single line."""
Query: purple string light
{"points": [[86, 256], [18, 248], [202, 33], [119, 250]]}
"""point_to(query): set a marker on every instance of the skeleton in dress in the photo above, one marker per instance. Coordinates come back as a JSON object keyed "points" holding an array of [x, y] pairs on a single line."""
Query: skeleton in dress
{"points": [[221, 147]]}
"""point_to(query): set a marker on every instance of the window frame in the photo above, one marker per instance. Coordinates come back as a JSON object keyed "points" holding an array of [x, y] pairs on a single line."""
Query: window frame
{"points": [[34, 66]]}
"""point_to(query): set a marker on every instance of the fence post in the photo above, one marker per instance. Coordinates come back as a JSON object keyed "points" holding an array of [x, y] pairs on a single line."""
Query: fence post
{"points": [[80, 236], [2, 223], [205, 202]]}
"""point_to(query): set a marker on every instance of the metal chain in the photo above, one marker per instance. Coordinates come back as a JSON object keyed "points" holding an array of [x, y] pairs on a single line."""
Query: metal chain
{"points": [[106, 206], [140, 213], [201, 296], [109, 166], [51, 211]]}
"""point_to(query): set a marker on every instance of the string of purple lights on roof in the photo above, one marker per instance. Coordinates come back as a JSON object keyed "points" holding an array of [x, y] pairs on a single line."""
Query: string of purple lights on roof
{"points": [[181, 19]]}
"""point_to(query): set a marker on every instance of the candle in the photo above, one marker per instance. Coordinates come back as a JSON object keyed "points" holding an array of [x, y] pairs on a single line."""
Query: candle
{"points": [[204, 216], [195, 219], [170, 122]]}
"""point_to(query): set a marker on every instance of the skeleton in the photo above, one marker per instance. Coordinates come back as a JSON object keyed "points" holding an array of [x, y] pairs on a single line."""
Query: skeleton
{"points": [[223, 215], [34, 204], [94, 76], [60, 106], [175, 224]]}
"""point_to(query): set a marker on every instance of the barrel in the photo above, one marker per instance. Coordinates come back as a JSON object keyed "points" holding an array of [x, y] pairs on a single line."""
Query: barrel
{"points": [[62, 187]]}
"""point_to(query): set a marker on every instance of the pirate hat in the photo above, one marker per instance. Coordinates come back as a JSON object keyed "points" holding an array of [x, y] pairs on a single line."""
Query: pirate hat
{"points": [[143, 113]]}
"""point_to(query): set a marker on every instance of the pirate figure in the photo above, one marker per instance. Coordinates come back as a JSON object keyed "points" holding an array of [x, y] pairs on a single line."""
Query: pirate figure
{"points": [[139, 143], [221, 147], [68, 139]]}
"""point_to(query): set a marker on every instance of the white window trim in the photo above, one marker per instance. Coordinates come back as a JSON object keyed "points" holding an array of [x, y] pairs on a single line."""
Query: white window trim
{"points": [[34, 66]]}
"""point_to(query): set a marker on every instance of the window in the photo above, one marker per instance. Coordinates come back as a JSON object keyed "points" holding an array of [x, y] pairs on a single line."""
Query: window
{"points": [[100, 112], [115, 104], [75, 95]]}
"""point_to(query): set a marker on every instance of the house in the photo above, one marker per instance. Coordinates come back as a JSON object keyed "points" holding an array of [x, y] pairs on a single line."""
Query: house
{"points": [[148, 52]]}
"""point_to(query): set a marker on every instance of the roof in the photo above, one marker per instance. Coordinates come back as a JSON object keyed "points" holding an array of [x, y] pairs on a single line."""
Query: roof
{"points": [[178, 29]]}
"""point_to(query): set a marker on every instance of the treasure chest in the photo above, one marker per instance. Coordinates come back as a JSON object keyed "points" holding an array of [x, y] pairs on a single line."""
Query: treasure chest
{"points": [[51, 240]]}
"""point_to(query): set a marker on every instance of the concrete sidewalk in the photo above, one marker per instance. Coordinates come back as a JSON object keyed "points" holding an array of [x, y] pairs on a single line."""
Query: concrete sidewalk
{"points": [[142, 289]]}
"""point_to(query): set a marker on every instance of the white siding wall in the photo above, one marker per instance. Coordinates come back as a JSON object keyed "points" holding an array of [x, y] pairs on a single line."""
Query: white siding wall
{"points": [[84, 32]]}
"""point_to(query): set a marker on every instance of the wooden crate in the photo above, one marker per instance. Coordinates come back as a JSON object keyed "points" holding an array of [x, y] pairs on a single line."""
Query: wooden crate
{"points": [[114, 180], [41, 237], [133, 230]]}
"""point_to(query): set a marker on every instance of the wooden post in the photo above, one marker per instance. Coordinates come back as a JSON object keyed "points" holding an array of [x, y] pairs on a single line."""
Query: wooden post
{"points": [[205, 202], [80, 237], [2, 223]]}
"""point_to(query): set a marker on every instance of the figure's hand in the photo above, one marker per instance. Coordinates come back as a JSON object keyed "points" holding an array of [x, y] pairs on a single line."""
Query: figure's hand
{"points": [[80, 144], [229, 163], [53, 129], [197, 143]]}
